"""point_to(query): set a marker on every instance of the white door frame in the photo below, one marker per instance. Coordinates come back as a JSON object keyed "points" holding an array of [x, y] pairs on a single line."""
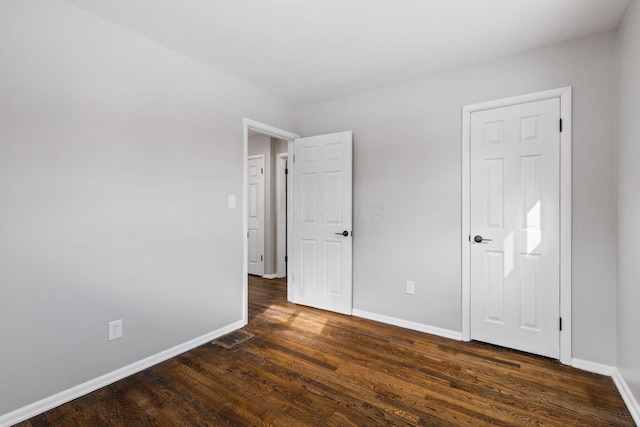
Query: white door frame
{"points": [[248, 124], [281, 216], [565, 208]]}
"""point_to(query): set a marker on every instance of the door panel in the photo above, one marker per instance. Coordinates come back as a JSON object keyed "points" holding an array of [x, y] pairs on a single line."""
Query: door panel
{"points": [[255, 210], [495, 193], [515, 273], [531, 288], [494, 271], [322, 209]]}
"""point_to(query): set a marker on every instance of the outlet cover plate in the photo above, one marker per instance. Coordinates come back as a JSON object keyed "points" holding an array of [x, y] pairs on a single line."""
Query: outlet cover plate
{"points": [[115, 330]]}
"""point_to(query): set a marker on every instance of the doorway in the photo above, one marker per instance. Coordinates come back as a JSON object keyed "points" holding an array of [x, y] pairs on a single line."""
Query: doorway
{"points": [[283, 146], [516, 257], [319, 218], [266, 204]]}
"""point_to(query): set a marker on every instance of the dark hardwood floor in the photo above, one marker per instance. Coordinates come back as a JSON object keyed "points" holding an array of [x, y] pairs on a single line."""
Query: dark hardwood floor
{"points": [[309, 367]]}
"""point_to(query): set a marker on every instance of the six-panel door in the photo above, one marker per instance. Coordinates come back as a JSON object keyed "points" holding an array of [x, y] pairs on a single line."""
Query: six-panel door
{"points": [[515, 273], [322, 213]]}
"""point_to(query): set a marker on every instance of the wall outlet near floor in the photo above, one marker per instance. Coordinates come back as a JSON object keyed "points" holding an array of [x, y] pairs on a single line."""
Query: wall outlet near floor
{"points": [[410, 287], [115, 330]]}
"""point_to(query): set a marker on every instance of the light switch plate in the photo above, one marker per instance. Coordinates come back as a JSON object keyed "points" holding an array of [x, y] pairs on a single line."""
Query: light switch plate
{"points": [[410, 287], [232, 201]]}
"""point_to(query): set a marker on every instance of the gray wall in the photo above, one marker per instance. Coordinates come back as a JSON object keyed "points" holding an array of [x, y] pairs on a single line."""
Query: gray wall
{"points": [[116, 159], [407, 193], [629, 198], [117, 156]]}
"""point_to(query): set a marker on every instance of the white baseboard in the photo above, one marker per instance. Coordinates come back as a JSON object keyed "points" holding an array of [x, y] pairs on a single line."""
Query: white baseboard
{"points": [[623, 388], [596, 368], [421, 327], [618, 380], [65, 396], [269, 276]]}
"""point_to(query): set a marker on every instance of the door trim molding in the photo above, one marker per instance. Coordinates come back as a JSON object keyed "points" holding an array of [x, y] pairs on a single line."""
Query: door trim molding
{"points": [[565, 95], [248, 124]]}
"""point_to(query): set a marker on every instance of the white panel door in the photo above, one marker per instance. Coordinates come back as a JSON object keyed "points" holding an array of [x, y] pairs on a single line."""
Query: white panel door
{"points": [[255, 207], [515, 217], [322, 215]]}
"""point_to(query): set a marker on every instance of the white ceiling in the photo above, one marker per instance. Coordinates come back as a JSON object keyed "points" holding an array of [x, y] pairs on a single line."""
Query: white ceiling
{"points": [[313, 50]]}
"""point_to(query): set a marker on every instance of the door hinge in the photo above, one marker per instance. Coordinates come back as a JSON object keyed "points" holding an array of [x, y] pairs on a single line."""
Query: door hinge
{"points": [[286, 258], [286, 171], [261, 258], [262, 171], [561, 323], [247, 234], [560, 125]]}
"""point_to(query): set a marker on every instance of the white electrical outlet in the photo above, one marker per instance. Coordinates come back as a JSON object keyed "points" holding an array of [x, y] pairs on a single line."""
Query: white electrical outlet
{"points": [[115, 330], [410, 287]]}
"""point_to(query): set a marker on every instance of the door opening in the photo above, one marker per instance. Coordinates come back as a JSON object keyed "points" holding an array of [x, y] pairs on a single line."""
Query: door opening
{"points": [[318, 225], [266, 203], [272, 143]]}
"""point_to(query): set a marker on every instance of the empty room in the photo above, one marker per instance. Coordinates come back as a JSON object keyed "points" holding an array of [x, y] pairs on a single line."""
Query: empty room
{"points": [[319, 212]]}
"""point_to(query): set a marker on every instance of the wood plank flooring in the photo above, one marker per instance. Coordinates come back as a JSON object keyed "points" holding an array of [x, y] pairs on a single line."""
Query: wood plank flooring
{"points": [[307, 367]]}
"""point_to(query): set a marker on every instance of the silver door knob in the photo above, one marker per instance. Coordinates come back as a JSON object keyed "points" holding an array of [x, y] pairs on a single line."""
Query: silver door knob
{"points": [[479, 239]]}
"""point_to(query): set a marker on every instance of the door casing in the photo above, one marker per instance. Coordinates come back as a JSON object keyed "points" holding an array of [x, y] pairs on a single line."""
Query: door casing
{"points": [[565, 95]]}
